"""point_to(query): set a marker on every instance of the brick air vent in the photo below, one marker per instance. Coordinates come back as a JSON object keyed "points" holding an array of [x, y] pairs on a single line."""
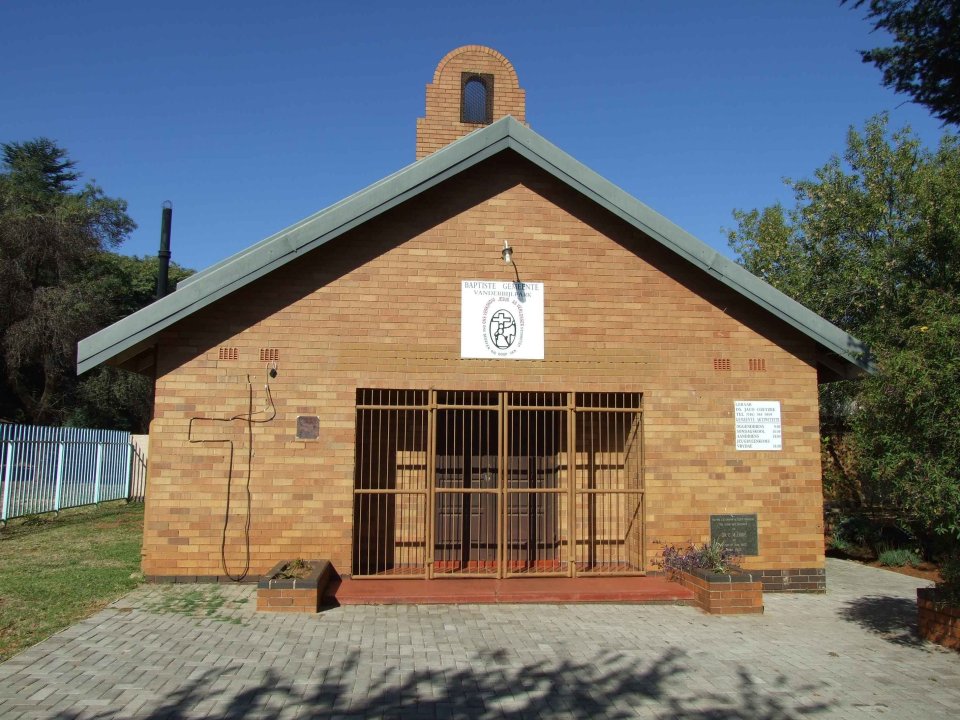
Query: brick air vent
{"points": [[757, 365], [269, 354], [721, 364], [229, 353]]}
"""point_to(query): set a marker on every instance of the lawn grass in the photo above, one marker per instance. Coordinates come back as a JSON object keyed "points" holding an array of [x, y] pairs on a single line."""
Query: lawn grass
{"points": [[57, 569]]}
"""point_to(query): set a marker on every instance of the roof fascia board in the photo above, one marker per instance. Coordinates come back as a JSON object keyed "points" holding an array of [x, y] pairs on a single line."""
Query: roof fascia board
{"points": [[463, 147], [574, 173], [303, 239], [281, 248], [839, 366], [265, 256]]}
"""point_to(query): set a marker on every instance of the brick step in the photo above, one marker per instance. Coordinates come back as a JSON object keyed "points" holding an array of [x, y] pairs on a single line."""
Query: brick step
{"points": [[632, 590]]}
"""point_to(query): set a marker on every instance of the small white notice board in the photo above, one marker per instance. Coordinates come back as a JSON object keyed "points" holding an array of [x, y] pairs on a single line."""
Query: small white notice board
{"points": [[501, 320], [758, 424]]}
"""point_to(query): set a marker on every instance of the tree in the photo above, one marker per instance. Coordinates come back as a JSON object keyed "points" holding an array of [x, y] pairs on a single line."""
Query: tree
{"points": [[59, 281], [127, 282], [924, 60], [908, 423], [49, 233], [872, 243], [108, 397]]}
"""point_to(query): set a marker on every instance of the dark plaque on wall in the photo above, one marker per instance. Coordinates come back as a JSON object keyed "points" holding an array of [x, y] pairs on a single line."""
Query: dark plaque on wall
{"points": [[736, 531], [308, 427]]}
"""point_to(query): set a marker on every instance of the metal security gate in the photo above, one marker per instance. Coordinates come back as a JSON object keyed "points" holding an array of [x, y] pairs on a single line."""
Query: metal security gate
{"points": [[537, 518], [466, 489], [609, 483], [391, 494], [497, 484]]}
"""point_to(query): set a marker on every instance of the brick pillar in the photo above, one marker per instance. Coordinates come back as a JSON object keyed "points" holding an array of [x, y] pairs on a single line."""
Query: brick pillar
{"points": [[443, 123]]}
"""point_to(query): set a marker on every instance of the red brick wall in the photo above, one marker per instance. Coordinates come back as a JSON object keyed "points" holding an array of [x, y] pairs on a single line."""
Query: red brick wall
{"points": [[380, 307], [724, 597], [288, 600], [441, 124], [937, 621]]}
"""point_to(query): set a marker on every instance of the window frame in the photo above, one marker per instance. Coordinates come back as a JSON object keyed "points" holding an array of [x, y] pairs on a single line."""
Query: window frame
{"points": [[487, 80]]}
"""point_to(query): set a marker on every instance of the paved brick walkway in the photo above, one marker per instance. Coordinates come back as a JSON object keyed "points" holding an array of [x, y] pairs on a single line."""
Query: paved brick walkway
{"points": [[202, 651]]}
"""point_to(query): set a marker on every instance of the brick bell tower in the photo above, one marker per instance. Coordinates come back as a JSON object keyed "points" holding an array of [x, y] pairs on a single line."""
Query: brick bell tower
{"points": [[472, 86]]}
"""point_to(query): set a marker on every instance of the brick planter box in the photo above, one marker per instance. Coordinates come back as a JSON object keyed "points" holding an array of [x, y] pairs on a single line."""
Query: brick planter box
{"points": [[936, 621], [294, 595], [736, 594]]}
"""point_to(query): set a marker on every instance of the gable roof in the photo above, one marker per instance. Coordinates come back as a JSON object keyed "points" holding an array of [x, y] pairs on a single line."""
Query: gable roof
{"points": [[844, 355]]}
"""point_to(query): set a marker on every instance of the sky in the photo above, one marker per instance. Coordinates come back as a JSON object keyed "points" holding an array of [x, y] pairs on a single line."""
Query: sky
{"points": [[249, 116]]}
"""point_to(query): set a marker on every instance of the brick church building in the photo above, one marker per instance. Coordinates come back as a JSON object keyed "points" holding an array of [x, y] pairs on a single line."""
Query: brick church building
{"points": [[491, 363]]}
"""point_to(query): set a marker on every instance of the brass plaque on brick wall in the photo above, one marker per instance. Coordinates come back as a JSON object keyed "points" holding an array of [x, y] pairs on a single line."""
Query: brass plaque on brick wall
{"points": [[738, 532], [308, 427]]}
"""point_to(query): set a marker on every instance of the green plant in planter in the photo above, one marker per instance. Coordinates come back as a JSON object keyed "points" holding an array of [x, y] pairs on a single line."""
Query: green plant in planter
{"points": [[714, 557], [294, 570]]}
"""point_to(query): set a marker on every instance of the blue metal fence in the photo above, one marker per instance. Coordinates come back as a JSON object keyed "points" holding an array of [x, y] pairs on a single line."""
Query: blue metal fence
{"points": [[43, 469]]}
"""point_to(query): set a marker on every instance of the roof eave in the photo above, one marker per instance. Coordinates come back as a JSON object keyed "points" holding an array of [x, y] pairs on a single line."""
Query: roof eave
{"points": [[135, 331], [636, 213], [260, 259]]}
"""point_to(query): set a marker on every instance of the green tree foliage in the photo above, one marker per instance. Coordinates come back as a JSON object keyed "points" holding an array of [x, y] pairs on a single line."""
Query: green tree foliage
{"points": [[908, 422], [59, 281], [872, 243], [924, 60], [128, 282], [108, 397], [48, 233]]}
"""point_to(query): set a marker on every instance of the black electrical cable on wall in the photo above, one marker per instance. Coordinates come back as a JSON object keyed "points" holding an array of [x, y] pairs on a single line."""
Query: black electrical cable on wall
{"points": [[248, 418]]}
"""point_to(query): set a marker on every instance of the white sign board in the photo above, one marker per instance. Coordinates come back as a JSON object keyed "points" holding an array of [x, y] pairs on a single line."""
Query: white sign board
{"points": [[501, 320], [758, 424]]}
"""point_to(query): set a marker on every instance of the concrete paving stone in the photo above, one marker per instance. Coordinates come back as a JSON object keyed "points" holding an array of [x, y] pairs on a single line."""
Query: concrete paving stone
{"points": [[852, 653]]}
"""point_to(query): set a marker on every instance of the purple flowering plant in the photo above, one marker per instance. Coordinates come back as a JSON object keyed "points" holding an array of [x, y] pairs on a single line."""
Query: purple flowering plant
{"points": [[713, 556]]}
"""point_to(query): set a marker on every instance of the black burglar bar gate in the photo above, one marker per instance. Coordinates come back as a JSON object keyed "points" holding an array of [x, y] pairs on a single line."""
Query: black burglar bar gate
{"points": [[497, 484]]}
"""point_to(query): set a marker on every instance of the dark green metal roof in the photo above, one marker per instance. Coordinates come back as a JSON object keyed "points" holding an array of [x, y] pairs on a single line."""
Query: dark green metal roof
{"points": [[844, 355]]}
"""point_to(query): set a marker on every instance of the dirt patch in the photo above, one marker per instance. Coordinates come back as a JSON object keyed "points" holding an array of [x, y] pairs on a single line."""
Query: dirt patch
{"points": [[864, 556], [926, 571]]}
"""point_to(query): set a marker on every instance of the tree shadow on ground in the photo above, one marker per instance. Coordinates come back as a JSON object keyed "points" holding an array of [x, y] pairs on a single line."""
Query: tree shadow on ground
{"points": [[611, 685], [892, 618]]}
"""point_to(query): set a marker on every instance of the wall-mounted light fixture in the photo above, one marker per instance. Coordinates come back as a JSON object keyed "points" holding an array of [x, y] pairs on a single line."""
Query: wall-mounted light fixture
{"points": [[507, 253]]}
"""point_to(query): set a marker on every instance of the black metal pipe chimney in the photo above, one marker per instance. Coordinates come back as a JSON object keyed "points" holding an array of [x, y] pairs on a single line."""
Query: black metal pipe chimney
{"points": [[163, 275]]}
